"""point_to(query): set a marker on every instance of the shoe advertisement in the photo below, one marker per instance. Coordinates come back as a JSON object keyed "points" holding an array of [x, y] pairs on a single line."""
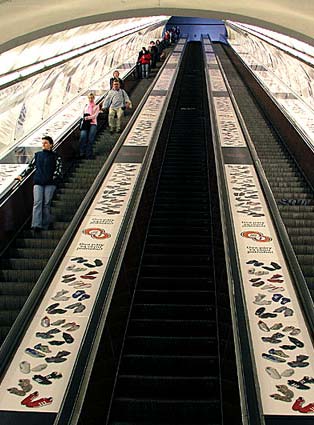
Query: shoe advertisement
{"points": [[281, 344], [41, 369], [142, 132], [283, 350]]}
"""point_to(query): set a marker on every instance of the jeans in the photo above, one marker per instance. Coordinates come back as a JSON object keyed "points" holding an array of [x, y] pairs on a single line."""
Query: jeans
{"points": [[145, 70], [87, 139], [113, 112], [42, 203]]}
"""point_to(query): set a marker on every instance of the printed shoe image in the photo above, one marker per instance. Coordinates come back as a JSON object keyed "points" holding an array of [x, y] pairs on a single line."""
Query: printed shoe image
{"points": [[276, 297], [279, 353], [78, 293], [273, 358], [43, 348], [276, 326], [288, 329], [307, 380], [45, 322], [296, 331], [285, 300], [298, 406], [84, 297], [268, 315], [68, 338], [30, 398], [299, 362], [263, 327], [296, 342], [288, 347], [298, 384], [287, 373], [287, 393], [34, 353], [79, 308], [39, 367], [41, 402], [42, 380], [58, 322], [56, 342], [273, 373], [16, 391], [25, 384], [25, 367]]}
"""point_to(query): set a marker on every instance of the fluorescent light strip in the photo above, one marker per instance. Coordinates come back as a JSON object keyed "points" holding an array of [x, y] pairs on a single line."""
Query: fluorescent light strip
{"points": [[13, 76]]}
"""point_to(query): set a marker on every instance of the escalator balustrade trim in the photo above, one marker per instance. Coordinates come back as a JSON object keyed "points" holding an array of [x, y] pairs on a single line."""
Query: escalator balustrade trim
{"points": [[41, 369], [281, 342]]}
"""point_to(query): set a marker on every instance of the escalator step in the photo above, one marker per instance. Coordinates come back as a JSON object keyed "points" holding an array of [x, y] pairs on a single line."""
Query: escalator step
{"points": [[171, 411]]}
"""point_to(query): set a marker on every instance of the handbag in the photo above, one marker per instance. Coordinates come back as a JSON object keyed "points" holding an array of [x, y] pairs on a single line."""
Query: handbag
{"points": [[85, 124]]}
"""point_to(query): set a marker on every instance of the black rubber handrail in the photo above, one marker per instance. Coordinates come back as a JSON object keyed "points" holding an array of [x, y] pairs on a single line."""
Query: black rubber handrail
{"points": [[283, 237]]}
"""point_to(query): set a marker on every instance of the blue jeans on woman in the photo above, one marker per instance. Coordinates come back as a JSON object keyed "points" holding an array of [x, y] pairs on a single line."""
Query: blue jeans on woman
{"points": [[145, 70], [87, 139], [42, 204]]}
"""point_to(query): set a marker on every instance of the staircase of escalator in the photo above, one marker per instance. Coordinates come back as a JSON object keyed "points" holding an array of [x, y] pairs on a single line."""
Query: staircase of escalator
{"points": [[26, 257], [284, 176], [170, 368]]}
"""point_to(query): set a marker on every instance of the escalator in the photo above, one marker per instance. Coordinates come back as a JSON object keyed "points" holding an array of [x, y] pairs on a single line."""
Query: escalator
{"points": [[170, 369], [23, 262], [292, 193]]}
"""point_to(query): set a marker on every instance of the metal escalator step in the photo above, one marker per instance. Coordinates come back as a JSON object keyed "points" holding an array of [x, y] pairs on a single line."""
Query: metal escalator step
{"points": [[170, 345], [173, 311], [13, 288], [19, 276], [23, 263], [167, 364], [176, 258], [172, 411], [12, 302], [165, 387], [174, 282], [171, 327], [174, 270], [168, 296]]}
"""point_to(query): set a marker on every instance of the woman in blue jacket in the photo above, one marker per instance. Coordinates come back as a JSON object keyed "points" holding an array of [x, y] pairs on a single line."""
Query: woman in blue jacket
{"points": [[48, 172]]}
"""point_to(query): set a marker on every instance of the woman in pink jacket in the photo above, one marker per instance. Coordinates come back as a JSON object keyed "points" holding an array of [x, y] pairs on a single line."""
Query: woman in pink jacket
{"points": [[88, 127]]}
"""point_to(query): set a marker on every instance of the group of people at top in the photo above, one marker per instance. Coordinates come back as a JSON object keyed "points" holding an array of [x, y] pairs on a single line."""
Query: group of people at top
{"points": [[48, 164]]}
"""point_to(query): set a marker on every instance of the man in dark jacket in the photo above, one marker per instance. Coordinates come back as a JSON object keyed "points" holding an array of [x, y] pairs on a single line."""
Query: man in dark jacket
{"points": [[47, 174]]}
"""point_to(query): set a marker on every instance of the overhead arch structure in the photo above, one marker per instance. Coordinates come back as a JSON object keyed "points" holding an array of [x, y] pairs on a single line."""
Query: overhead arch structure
{"points": [[26, 20]]}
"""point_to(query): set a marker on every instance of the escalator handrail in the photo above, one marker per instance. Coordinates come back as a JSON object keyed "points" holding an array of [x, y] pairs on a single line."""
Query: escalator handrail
{"points": [[283, 237], [17, 330]]}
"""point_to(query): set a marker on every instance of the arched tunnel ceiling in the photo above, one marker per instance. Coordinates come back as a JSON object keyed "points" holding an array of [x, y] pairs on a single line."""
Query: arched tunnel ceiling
{"points": [[25, 20]]}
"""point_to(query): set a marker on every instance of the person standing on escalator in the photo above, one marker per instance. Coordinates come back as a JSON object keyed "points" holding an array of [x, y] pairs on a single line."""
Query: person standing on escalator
{"points": [[48, 173], [88, 127]]}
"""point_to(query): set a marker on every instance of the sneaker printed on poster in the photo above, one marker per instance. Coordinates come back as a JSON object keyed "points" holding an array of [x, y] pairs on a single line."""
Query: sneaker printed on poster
{"points": [[228, 124], [280, 341], [284, 339], [245, 192], [117, 190], [142, 132], [48, 351]]}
